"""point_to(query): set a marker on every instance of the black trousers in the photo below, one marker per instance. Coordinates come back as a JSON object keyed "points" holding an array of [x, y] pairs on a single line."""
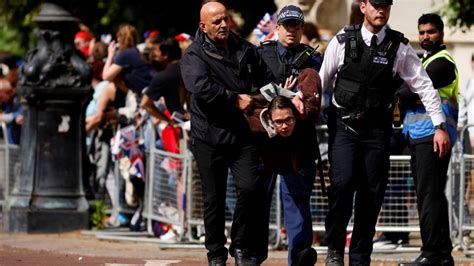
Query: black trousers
{"points": [[359, 157], [430, 176], [213, 163]]}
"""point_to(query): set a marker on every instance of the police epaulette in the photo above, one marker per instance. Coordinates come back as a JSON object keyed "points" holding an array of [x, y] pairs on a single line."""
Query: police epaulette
{"points": [[269, 42], [400, 36], [341, 37], [355, 27]]}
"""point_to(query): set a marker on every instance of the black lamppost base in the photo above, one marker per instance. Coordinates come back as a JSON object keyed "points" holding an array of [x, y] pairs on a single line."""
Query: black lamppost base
{"points": [[44, 221], [47, 194]]}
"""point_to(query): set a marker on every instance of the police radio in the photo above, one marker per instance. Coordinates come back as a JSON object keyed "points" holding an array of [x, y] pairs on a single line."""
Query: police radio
{"points": [[303, 57], [353, 47]]}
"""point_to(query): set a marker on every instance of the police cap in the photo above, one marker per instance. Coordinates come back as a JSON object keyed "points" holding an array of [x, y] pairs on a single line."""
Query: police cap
{"points": [[381, 2], [290, 12]]}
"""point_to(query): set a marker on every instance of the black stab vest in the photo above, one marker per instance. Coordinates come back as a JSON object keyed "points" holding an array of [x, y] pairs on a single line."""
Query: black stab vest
{"points": [[365, 81], [279, 69]]}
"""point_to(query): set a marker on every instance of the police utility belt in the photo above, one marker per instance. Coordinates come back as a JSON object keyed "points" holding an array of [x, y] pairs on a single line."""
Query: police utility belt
{"points": [[346, 115], [369, 115]]}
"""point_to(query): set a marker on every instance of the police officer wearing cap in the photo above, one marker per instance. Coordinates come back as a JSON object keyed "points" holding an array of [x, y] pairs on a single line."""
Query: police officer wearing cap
{"points": [[367, 59], [286, 58]]}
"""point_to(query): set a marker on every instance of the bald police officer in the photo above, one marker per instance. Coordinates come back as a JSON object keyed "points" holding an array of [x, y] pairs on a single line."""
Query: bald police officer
{"points": [[366, 59]]}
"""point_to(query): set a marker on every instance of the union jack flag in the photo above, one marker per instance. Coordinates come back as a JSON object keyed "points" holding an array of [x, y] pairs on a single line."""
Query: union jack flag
{"points": [[266, 28], [126, 143]]}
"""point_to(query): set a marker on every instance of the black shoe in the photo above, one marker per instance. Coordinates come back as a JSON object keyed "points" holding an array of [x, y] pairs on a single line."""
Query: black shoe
{"points": [[242, 258], [335, 258], [218, 261], [306, 257], [421, 260], [448, 261]]}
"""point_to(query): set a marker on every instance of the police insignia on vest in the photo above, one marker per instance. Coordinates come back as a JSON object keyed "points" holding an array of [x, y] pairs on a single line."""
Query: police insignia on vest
{"points": [[380, 60]]}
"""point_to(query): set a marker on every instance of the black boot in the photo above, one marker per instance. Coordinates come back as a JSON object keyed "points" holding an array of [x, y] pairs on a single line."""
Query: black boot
{"points": [[306, 257], [335, 258], [242, 258], [422, 260], [217, 261]]}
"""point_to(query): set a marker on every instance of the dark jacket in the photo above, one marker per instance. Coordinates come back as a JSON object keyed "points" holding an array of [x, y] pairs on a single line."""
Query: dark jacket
{"points": [[291, 154], [273, 54], [309, 84], [215, 76]]}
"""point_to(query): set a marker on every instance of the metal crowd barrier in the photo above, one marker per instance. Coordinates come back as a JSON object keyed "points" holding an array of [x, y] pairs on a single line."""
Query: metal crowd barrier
{"points": [[196, 205], [114, 180], [464, 205], [173, 196], [166, 187], [9, 165], [173, 193], [399, 211]]}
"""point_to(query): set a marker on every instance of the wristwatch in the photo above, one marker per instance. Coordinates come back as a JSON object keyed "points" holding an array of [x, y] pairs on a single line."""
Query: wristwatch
{"points": [[441, 126]]}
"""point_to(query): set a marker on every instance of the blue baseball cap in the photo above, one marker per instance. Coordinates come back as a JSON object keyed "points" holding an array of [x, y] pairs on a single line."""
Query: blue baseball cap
{"points": [[290, 12]]}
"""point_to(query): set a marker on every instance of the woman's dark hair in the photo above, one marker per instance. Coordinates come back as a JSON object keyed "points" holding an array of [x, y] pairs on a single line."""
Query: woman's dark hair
{"points": [[280, 102], [171, 48], [433, 19]]}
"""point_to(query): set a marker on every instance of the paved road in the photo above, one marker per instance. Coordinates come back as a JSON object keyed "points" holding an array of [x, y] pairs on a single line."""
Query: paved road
{"points": [[79, 249]]}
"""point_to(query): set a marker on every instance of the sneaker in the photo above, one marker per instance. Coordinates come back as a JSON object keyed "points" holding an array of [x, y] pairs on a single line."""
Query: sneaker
{"points": [[335, 258], [384, 245], [170, 236]]}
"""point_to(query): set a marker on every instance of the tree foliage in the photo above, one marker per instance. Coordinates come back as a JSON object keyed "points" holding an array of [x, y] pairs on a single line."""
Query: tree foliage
{"points": [[16, 27], [459, 13], [169, 17], [104, 16]]}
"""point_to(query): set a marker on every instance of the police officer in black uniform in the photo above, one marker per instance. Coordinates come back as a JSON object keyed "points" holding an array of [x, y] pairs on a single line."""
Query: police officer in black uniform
{"points": [[366, 58], [286, 58]]}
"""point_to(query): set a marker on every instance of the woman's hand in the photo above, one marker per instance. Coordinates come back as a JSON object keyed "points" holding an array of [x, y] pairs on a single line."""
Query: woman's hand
{"points": [[112, 49], [290, 82]]}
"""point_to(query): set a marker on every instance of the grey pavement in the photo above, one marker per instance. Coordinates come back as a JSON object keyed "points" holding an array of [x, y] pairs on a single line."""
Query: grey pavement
{"points": [[86, 248]]}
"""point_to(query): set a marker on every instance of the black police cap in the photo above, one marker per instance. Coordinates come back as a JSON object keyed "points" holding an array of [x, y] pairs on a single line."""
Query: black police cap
{"points": [[381, 2], [290, 12]]}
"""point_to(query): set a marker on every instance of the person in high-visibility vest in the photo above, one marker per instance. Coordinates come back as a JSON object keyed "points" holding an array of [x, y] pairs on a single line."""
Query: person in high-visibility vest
{"points": [[430, 164]]}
